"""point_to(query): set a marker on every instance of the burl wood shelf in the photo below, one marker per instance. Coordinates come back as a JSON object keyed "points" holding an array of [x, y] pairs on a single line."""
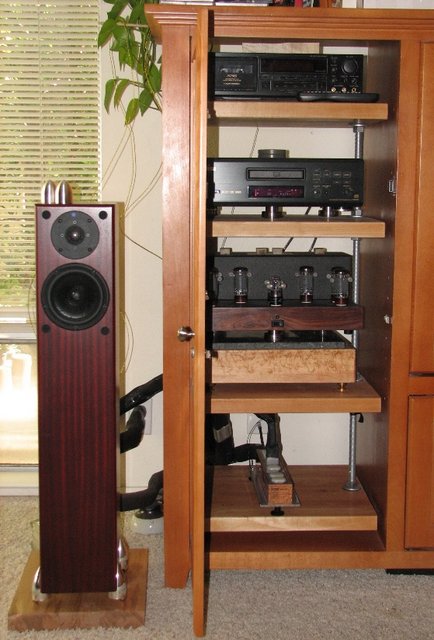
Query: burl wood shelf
{"points": [[81, 610], [293, 398], [300, 226], [324, 504], [297, 113]]}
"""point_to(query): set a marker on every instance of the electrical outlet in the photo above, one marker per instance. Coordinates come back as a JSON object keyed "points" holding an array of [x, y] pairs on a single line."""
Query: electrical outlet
{"points": [[148, 420], [252, 425]]}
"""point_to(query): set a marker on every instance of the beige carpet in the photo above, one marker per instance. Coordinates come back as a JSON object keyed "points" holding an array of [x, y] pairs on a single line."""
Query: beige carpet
{"points": [[289, 605]]}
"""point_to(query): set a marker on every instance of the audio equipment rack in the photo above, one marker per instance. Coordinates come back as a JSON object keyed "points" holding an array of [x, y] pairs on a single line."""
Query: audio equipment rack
{"points": [[388, 523]]}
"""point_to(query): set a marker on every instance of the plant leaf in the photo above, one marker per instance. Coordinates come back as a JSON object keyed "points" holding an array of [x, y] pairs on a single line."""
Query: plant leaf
{"points": [[138, 13], [154, 78], [145, 100], [106, 32], [118, 7], [125, 44], [110, 86], [120, 89], [120, 36], [131, 38], [132, 110]]}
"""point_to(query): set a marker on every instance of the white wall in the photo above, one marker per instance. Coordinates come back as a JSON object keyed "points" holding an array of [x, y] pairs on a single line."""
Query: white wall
{"points": [[131, 168]]}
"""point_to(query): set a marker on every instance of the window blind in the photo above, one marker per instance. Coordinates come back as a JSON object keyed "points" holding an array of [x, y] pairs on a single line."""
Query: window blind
{"points": [[49, 122]]}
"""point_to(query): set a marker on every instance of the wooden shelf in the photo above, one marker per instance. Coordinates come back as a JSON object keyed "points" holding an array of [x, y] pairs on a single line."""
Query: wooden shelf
{"points": [[297, 113], [254, 226], [293, 398], [324, 504]]}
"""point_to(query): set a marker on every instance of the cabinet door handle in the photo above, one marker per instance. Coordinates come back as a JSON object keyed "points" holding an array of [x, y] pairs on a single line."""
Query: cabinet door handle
{"points": [[185, 334]]}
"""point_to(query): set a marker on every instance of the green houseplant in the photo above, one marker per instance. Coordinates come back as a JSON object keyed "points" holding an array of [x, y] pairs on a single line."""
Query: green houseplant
{"points": [[139, 66]]}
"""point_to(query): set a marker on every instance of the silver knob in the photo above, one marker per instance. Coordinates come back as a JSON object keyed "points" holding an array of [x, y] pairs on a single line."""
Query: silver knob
{"points": [[185, 334]]}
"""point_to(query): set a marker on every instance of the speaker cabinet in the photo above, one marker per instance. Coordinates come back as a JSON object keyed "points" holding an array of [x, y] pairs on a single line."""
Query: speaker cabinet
{"points": [[78, 396]]}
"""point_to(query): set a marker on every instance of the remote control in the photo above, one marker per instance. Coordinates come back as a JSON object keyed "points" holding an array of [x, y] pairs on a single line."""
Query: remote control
{"points": [[319, 96]]}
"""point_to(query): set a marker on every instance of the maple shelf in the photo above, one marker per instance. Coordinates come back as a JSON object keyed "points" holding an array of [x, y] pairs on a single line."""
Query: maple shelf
{"points": [[324, 504], [297, 113], [300, 226], [294, 398]]}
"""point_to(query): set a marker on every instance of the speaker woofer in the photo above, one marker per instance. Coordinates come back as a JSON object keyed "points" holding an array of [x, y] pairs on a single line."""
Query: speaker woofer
{"points": [[75, 296]]}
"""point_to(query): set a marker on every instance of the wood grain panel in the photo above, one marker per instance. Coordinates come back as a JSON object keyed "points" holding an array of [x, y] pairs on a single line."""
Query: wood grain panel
{"points": [[293, 316], [419, 521], [78, 416], [256, 227], [293, 398], [283, 365], [297, 113], [324, 504], [177, 307], [81, 610], [422, 348]]}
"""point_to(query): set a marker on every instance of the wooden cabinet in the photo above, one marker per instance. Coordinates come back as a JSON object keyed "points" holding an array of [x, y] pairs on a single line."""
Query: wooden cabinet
{"points": [[378, 526], [422, 334], [420, 474]]}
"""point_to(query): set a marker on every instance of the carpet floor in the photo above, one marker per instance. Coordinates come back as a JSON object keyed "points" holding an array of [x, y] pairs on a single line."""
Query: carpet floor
{"points": [[247, 605]]}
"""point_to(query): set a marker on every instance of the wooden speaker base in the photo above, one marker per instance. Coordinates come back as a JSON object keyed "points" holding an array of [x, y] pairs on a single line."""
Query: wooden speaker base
{"points": [[81, 610]]}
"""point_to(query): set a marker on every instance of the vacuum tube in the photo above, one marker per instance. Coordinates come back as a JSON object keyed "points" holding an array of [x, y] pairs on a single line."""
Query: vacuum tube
{"points": [[305, 277], [215, 278], [340, 286], [240, 275], [275, 286]]}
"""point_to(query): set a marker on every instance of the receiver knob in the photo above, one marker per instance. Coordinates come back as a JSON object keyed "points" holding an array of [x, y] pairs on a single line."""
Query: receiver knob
{"points": [[349, 66]]}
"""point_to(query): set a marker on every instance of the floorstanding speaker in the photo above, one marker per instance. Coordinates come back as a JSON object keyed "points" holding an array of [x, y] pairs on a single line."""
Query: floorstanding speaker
{"points": [[78, 397]]}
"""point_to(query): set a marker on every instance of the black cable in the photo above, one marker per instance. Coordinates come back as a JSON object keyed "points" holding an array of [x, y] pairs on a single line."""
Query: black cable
{"points": [[144, 498], [141, 394], [135, 428]]}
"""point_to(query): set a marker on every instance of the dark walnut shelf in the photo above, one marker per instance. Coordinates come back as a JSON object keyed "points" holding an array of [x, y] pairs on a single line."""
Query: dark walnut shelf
{"points": [[292, 314]]}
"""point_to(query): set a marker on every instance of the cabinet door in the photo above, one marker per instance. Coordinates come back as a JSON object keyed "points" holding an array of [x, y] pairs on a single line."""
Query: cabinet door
{"points": [[199, 96], [419, 530], [178, 303], [422, 351]]}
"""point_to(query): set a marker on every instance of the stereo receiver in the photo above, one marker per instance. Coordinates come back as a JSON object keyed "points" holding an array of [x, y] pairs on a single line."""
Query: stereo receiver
{"points": [[285, 181], [283, 76]]}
